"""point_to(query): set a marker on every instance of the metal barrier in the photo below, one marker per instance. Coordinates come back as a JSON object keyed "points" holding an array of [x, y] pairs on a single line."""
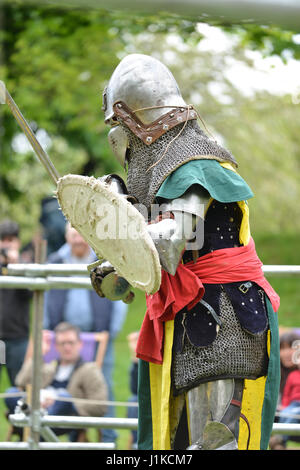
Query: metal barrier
{"points": [[40, 277], [66, 422], [286, 428], [75, 422]]}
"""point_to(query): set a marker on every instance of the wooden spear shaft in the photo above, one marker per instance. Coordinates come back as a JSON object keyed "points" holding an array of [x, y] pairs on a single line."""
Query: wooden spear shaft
{"points": [[39, 151]]}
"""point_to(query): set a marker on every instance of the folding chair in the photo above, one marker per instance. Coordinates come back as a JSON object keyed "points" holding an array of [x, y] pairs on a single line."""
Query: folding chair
{"points": [[93, 350], [93, 347]]}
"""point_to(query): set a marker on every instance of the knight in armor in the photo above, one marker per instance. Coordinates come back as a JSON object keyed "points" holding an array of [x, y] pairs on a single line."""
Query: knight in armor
{"points": [[208, 346]]}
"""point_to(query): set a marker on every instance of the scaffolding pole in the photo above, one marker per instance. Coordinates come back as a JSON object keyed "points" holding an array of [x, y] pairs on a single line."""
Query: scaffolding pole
{"points": [[68, 276], [283, 13], [58, 446], [38, 317], [45, 270], [40, 277], [76, 422]]}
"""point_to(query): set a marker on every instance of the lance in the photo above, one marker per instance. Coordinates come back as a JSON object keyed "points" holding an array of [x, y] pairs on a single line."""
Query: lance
{"points": [[43, 157]]}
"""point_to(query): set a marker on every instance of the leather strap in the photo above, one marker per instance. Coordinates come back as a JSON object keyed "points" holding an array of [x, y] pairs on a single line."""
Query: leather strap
{"points": [[238, 404], [248, 426], [149, 133], [235, 402]]}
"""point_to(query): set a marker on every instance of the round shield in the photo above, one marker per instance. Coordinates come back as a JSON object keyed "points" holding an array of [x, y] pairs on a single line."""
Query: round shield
{"points": [[113, 228]]}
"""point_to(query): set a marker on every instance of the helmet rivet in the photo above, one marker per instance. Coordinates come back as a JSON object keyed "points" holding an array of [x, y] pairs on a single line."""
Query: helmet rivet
{"points": [[165, 127], [172, 115], [148, 139]]}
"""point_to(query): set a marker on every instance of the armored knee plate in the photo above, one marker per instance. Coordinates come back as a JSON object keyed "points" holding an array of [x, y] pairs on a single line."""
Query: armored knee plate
{"points": [[214, 413], [216, 436]]}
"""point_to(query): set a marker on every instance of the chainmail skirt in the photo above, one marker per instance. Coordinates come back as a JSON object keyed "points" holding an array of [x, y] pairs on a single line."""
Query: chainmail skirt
{"points": [[233, 354]]}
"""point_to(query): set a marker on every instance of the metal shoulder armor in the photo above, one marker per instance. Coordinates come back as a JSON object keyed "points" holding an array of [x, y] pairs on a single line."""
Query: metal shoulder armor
{"points": [[178, 225], [115, 182]]}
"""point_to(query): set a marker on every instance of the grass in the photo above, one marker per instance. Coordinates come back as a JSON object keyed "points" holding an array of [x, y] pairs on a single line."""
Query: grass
{"points": [[281, 249]]}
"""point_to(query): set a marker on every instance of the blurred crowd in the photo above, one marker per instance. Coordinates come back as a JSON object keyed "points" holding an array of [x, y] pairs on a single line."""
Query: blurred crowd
{"points": [[288, 408], [80, 329]]}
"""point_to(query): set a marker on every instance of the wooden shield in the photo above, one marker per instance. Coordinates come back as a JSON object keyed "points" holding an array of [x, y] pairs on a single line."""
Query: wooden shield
{"points": [[113, 228]]}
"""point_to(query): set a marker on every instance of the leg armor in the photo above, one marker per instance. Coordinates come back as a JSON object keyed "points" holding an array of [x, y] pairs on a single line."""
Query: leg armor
{"points": [[214, 413]]}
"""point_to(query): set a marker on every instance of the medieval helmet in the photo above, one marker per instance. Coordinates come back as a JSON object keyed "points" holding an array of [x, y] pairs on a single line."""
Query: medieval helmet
{"points": [[153, 129], [139, 82]]}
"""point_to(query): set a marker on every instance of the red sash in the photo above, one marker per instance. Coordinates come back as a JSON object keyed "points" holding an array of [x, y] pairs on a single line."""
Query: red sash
{"points": [[186, 288]]}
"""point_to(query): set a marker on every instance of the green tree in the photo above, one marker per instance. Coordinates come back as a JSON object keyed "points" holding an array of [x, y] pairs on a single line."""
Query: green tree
{"points": [[57, 61]]}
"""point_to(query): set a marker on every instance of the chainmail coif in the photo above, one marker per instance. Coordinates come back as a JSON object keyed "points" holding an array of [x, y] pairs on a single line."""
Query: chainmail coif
{"points": [[191, 144]]}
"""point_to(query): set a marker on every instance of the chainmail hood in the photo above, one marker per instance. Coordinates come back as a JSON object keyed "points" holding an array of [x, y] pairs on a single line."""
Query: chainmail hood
{"points": [[192, 143]]}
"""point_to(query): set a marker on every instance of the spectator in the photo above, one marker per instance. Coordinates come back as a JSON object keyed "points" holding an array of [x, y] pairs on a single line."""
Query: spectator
{"points": [[84, 308], [291, 391], [290, 404], [290, 401], [53, 223], [69, 377], [288, 366], [287, 351], [14, 304]]}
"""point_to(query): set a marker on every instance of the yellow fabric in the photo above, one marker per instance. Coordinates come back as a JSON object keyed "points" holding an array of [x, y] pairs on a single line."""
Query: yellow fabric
{"points": [[245, 233], [252, 403], [228, 166], [245, 226], [208, 205], [165, 408], [160, 383]]}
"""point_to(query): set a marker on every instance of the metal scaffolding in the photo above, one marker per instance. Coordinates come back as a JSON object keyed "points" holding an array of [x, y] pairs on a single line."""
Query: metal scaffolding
{"points": [[40, 277], [283, 13]]}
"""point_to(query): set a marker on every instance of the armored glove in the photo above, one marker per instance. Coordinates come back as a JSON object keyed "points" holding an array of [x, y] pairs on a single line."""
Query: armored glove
{"points": [[107, 283]]}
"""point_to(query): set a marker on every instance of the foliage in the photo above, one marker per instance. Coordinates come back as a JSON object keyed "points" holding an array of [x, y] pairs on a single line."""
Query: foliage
{"points": [[262, 132], [56, 63], [271, 40]]}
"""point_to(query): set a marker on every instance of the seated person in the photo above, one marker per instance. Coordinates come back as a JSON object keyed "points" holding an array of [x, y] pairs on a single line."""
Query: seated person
{"points": [[290, 403], [288, 341], [69, 377], [84, 308], [289, 396]]}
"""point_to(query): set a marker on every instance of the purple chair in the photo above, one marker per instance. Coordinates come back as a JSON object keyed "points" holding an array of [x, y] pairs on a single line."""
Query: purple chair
{"points": [[89, 347]]}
